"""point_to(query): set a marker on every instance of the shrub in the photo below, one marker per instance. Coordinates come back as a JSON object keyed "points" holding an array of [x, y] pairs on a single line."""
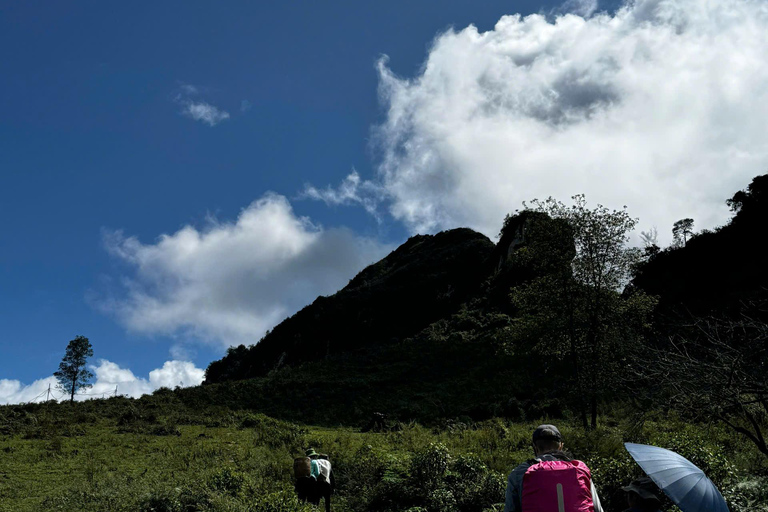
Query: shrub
{"points": [[227, 481], [476, 487], [752, 495], [441, 500], [166, 501], [360, 477], [428, 467], [165, 430], [179, 499], [281, 501], [272, 432]]}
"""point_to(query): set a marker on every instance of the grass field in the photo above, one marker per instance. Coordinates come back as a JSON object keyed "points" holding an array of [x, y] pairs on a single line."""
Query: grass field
{"points": [[125, 455]]}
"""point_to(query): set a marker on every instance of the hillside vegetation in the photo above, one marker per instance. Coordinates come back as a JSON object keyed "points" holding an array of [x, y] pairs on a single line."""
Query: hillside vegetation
{"points": [[450, 325], [158, 454], [423, 280]]}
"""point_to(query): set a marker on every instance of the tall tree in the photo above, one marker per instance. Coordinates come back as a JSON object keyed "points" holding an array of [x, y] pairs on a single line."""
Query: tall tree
{"points": [[755, 195], [72, 373], [579, 313], [682, 231]]}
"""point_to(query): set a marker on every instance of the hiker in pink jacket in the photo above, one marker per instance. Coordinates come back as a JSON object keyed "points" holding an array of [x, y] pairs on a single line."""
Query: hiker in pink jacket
{"points": [[551, 482]]}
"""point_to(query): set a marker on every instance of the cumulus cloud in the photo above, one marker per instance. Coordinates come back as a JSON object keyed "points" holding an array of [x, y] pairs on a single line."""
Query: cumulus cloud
{"points": [[230, 282], [108, 378], [660, 106], [14, 392], [205, 112]]}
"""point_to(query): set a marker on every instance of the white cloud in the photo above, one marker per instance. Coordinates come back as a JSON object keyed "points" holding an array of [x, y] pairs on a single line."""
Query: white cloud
{"points": [[230, 282], [14, 392], [205, 112], [583, 8], [352, 190], [660, 107], [198, 109], [108, 377], [176, 373]]}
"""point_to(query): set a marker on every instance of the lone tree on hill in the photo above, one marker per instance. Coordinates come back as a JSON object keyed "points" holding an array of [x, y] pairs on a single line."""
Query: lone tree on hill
{"points": [[72, 374], [682, 231]]}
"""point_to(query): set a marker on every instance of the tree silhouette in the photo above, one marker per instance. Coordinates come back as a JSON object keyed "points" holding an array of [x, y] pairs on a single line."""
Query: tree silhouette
{"points": [[72, 374], [682, 231], [755, 194]]}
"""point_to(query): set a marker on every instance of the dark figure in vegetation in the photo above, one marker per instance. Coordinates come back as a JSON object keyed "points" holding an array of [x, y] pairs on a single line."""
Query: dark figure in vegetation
{"points": [[642, 496], [305, 489], [377, 423], [551, 482], [313, 478]]}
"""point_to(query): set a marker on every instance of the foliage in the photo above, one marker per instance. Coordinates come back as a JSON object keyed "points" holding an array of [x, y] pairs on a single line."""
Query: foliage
{"points": [[603, 261], [754, 198], [714, 272], [718, 370], [682, 230], [458, 467], [72, 374], [575, 311]]}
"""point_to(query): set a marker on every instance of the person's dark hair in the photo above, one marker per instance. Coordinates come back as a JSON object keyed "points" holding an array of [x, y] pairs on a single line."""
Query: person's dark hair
{"points": [[546, 445], [547, 432]]}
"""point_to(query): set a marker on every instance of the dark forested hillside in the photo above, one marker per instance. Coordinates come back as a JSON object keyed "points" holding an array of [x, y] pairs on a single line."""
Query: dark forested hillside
{"points": [[716, 272], [423, 280], [425, 333], [451, 324]]}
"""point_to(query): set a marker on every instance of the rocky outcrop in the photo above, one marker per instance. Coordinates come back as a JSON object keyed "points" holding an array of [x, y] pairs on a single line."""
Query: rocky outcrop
{"points": [[423, 280]]}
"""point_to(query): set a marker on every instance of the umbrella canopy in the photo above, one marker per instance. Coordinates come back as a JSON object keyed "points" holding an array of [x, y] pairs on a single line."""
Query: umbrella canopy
{"points": [[679, 478]]}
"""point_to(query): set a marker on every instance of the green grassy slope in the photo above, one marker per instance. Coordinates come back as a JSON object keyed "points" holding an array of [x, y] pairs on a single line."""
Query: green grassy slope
{"points": [[157, 454]]}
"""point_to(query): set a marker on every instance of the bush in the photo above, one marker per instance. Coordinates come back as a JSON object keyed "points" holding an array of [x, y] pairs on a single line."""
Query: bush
{"points": [[281, 501], [227, 481], [428, 467], [752, 495], [165, 430], [179, 499], [360, 477], [441, 500], [272, 432], [166, 501], [476, 486]]}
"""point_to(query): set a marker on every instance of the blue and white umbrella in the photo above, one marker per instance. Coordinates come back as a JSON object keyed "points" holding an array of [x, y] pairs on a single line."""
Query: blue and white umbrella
{"points": [[685, 484]]}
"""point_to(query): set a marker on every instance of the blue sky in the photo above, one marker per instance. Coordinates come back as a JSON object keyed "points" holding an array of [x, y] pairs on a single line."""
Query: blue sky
{"points": [[205, 122]]}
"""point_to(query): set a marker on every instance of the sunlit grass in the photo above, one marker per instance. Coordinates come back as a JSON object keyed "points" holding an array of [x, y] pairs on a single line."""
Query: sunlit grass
{"points": [[157, 456]]}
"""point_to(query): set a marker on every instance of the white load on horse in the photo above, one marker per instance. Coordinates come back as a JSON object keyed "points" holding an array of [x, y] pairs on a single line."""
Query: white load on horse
{"points": [[313, 478]]}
